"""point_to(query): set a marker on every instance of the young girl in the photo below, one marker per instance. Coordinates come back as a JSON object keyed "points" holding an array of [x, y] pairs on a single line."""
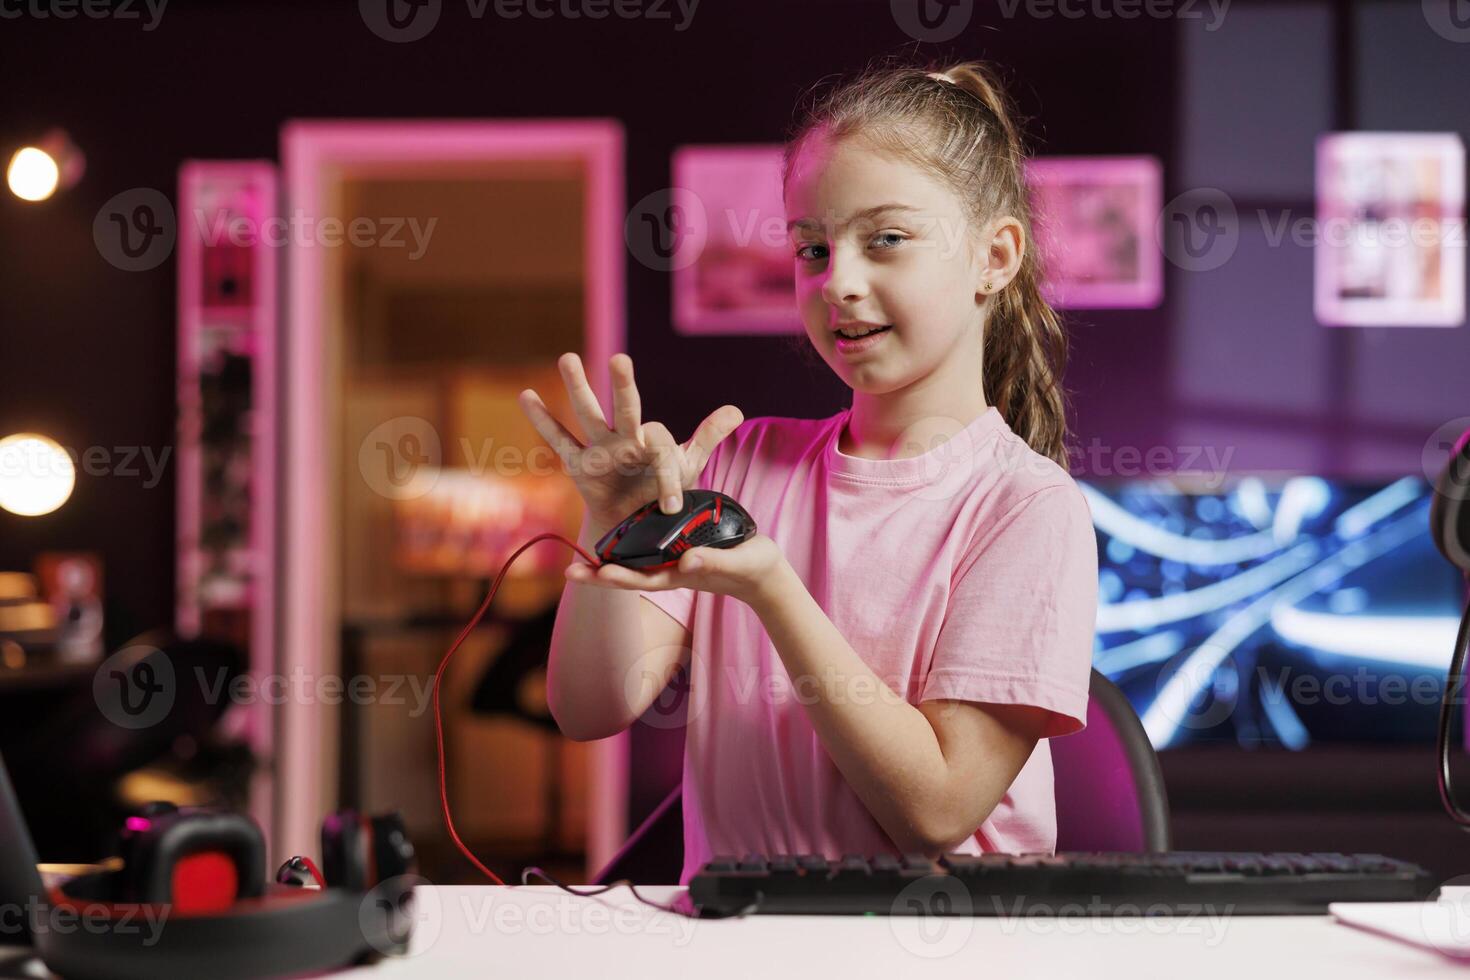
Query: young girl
{"points": [[875, 672]]}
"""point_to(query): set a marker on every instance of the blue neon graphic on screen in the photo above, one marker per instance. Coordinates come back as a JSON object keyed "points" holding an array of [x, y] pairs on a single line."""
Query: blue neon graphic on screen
{"points": [[1274, 613]]}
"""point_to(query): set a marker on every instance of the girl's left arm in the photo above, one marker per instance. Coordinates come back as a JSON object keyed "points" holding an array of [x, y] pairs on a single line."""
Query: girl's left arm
{"points": [[930, 774]]}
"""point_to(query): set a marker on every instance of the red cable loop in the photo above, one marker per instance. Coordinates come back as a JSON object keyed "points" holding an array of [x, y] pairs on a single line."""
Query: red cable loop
{"points": [[439, 674]]}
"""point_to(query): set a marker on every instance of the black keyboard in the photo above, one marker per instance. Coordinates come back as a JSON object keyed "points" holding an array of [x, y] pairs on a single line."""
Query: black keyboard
{"points": [[1068, 883]]}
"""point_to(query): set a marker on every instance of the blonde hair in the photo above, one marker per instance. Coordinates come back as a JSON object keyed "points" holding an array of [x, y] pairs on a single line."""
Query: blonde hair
{"points": [[958, 125]]}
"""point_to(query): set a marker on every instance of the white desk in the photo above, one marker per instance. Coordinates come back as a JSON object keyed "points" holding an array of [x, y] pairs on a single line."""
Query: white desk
{"points": [[539, 930]]}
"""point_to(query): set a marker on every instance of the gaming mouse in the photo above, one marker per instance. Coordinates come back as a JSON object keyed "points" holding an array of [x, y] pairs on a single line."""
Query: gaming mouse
{"points": [[648, 538]]}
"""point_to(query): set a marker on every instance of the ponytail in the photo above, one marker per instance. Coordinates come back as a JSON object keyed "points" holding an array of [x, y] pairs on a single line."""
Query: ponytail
{"points": [[1025, 355]]}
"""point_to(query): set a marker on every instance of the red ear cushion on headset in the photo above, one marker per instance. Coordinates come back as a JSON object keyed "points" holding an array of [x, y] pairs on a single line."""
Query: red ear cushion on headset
{"points": [[193, 860], [204, 882], [153, 858]]}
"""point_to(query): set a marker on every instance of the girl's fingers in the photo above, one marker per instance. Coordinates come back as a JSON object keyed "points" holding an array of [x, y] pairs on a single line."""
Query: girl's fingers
{"points": [[627, 412], [555, 434], [711, 432], [610, 576], [665, 466], [584, 402], [634, 578]]}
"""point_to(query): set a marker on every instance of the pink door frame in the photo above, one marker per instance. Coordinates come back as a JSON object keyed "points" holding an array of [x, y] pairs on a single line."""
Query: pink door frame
{"points": [[315, 155]]}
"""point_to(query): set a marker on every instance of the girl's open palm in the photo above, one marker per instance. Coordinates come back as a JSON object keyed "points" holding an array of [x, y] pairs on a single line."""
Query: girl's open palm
{"points": [[621, 467]]}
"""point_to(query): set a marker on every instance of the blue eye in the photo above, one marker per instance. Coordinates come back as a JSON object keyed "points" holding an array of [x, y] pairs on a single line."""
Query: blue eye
{"points": [[898, 239]]}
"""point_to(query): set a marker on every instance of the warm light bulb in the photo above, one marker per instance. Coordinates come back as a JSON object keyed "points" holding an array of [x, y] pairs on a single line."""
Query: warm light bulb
{"points": [[36, 474], [33, 174]]}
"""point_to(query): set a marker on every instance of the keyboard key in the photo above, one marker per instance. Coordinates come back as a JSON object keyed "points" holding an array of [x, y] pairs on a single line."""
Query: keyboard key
{"points": [[752, 862], [886, 863], [812, 863], [918, 862]]}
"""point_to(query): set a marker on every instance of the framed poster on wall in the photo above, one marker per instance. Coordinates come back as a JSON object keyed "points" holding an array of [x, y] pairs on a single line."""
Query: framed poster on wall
{"points": [[739, 277], [1389, 248], [1093, 219]]}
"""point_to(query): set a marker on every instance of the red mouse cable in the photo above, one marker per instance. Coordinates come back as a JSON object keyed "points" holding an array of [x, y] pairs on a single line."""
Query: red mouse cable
{"points": [[443, 781], [315, 871], [439, 675]]}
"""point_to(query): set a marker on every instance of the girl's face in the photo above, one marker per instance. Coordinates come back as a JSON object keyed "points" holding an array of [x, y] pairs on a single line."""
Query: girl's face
{"points": [[879, 243]]}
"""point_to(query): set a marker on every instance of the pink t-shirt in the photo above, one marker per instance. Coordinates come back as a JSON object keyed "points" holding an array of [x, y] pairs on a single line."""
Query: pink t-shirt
{"points": [[967, 572]]}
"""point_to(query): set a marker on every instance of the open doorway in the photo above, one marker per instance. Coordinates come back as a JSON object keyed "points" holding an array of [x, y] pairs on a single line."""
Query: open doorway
{"points": [[485, 249]]}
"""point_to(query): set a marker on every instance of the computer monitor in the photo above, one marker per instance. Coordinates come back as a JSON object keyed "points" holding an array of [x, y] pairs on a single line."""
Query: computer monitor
{"points": [[1274, 612]]}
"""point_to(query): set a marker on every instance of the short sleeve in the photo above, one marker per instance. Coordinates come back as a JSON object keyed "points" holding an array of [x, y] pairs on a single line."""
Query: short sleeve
{"points": [[1022, 611], [679, 603]]}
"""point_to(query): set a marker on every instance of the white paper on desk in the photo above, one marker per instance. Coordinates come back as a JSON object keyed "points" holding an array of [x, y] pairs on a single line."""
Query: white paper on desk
{"points": [[1442, 925]]}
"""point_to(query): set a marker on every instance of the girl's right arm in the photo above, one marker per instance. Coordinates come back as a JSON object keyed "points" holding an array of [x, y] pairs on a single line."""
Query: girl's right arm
{"points": [[613, 651]]}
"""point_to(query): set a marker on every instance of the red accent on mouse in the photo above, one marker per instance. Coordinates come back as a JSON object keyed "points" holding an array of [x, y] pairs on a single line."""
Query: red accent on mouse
{"points": [[650, 539]]}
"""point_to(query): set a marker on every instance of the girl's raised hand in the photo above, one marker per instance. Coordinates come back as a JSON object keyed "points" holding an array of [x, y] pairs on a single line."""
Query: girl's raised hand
{"points": [[621, 467]]}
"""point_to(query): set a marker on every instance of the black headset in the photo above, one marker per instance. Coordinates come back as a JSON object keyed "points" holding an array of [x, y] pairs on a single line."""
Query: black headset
{"points": [[1449, 513], [1449, 525], [190, 898]]}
